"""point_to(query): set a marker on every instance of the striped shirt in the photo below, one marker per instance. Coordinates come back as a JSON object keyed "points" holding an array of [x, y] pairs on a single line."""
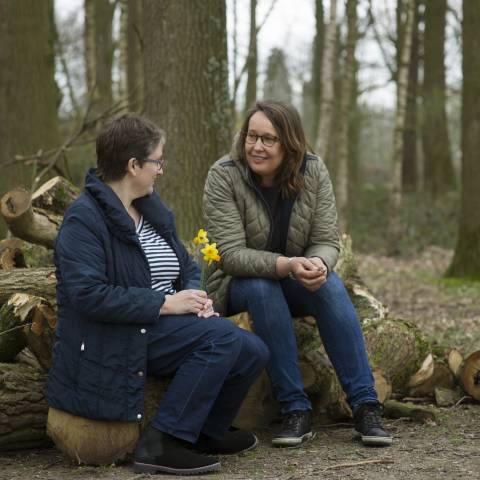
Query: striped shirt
{"points": [[162, 260]]}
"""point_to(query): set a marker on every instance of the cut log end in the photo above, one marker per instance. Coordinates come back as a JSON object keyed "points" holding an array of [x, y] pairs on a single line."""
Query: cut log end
{"points": [[14, 204], [470, 376]]}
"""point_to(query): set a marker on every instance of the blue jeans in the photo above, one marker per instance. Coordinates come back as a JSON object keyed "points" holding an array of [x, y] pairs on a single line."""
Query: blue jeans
{"points": [[213, 364], [272, 303]]}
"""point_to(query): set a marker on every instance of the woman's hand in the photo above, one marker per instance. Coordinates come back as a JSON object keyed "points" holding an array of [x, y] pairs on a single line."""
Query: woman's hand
{"points": [[208, 310], [185, 301], [310, 272]]}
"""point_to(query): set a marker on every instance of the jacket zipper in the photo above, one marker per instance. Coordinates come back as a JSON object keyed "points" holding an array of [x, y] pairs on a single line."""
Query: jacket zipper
{"points": [[267, 207]]}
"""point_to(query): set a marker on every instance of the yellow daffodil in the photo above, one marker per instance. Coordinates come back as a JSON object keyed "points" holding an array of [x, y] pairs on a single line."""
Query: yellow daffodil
{"points": [[201, 237], [210, 253]]}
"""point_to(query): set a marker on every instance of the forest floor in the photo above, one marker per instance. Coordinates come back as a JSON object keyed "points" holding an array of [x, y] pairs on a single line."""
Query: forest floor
{"points": [[447, 311]]}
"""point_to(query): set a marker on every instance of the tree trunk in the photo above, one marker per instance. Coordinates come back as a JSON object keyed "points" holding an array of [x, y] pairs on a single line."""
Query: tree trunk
{"points": [[312, 93], [135, 47], [409, 162], [342, 175], [29, 96], [187, 95], [400, 117], [277, 83], [439, 175], [466, 261], [122, 90], [251, 88], [328, 79], [99, 52]]}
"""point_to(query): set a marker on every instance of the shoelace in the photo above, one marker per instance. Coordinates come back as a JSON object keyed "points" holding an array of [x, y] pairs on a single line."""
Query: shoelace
{"points": [[291, 419], [371, 417]]}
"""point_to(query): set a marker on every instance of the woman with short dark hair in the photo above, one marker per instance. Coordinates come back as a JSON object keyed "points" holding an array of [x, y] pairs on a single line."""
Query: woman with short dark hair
{"points": [[129, 305], [270, 207]]}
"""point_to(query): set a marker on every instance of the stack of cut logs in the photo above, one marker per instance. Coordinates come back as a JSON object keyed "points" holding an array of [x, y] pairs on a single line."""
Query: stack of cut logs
{"points": [[404, 364]]}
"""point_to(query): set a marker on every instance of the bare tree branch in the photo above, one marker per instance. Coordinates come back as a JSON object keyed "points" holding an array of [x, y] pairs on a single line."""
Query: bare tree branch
{"points": [[238, 79], [388, 61]]}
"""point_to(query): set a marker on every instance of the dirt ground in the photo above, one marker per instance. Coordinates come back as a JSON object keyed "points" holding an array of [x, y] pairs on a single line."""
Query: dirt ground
{"points": [[447, 311]]}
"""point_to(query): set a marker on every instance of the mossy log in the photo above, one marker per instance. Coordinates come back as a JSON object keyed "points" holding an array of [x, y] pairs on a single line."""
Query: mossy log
{"points": [[31, 321], [55, 196], [35, 281], [394, 409], [23, 409]]}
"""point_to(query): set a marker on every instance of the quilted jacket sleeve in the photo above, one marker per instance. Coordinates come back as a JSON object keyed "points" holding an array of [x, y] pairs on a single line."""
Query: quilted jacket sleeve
{"points": [[225, 226], [324, 240], [81, 270]]}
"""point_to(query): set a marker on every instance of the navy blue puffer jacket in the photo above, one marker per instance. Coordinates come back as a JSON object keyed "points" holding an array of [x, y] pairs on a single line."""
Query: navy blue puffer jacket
{"points": [[106, 304]]}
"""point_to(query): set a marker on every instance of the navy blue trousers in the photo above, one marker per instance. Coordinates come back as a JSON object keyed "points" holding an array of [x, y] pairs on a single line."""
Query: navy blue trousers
{"points": [[213, 364], [272, 304]]}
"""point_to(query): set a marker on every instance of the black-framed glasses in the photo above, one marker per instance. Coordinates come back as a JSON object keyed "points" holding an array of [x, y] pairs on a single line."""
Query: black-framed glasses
{"points": [[267, 140], [161, 164]]}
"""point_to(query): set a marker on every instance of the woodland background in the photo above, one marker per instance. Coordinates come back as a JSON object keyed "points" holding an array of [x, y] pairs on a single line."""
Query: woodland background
{"points": [[405, 168]]}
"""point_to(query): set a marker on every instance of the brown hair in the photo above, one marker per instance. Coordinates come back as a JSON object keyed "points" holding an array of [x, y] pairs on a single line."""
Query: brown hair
{"points": [[122, 138], [288, 125]]}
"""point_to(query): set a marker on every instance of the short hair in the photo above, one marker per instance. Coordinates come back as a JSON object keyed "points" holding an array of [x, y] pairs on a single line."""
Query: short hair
{"points": [[286, 121], [122, 138]]}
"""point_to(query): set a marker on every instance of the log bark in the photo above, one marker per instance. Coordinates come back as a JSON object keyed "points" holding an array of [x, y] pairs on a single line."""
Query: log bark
{"points": [[36, 281], [23, 409], [27, 222]]}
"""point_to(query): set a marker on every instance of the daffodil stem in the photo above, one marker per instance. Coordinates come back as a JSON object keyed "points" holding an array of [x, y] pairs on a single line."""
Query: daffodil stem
{"points": [[202, 276]]}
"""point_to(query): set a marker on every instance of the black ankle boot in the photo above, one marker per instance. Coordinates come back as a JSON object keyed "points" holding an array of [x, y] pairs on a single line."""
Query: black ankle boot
{"points": [[233, 442], [368, 423], [296, 429], [159, 452]]}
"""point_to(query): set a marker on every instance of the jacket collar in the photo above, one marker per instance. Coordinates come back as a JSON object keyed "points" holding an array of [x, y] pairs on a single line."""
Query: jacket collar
{"points": [[117, 218]]}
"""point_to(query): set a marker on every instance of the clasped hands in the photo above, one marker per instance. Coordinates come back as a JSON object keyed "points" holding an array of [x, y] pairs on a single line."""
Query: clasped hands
{"points": [[188, 301], [310, 272]]}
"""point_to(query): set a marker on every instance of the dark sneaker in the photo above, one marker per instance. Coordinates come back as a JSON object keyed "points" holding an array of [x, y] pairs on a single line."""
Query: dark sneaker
{"points": [[159, 452], [296, 429], [368, 423], [235, 441]]}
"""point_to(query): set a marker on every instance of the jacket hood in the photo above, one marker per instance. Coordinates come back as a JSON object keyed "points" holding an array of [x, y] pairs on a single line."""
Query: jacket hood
{"points": [[117, 218]]}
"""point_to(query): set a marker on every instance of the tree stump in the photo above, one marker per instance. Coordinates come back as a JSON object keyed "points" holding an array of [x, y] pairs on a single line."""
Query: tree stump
{"points": [[91, 442], [97, 442]]}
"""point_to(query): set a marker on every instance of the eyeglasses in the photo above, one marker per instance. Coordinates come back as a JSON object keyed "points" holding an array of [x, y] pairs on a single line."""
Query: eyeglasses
{"points": [[267, 140], [161, 164]]}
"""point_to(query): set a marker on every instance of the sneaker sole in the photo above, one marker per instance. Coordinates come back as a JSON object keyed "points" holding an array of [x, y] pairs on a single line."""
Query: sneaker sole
{"points": [[376, 441], [291, 441], [148, 468]]}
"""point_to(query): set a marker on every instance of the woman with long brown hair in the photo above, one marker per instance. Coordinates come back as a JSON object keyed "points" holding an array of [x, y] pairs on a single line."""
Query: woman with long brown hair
{"points": [[271, 209]]}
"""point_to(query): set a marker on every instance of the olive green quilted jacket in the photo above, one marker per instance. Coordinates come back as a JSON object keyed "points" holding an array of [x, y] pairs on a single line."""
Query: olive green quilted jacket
{"points": [[238, 221]]}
